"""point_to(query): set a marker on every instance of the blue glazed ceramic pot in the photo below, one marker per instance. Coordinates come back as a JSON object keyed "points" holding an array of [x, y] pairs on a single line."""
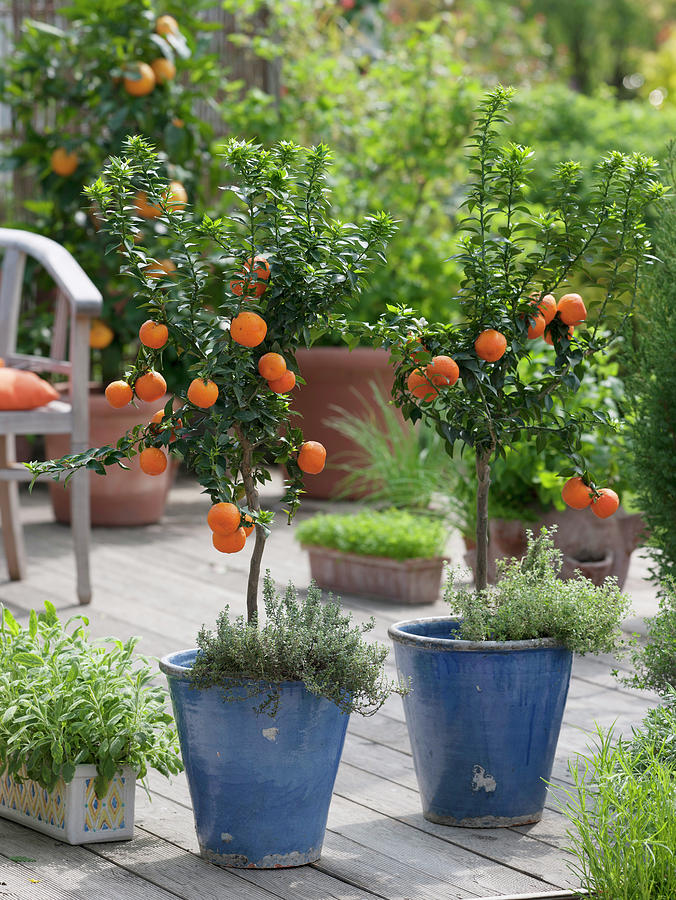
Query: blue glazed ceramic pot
{"points": [[483, 719], [260, 785]]}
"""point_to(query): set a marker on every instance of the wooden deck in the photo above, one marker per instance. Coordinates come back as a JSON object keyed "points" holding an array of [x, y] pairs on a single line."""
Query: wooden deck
{"points": [[163, 582]]}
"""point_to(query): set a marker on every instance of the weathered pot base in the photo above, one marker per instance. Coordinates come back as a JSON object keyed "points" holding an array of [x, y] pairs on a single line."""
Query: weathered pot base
{"points": [[271, 861], [484, 821]]}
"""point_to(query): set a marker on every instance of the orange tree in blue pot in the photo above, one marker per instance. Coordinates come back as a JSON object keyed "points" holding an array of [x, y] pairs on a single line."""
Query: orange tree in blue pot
{"points": [[261, 707], [489, 687]]}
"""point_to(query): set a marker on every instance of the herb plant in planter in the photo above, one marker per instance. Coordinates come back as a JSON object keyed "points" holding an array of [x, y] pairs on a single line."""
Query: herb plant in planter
{"points": [[80, 723], [394, 554], [466, 380], [260, 786]]}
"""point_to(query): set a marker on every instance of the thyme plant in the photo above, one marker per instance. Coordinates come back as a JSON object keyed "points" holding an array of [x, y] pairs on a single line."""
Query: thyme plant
{"points": [[514, 256], [288, 267], [67, 700]]}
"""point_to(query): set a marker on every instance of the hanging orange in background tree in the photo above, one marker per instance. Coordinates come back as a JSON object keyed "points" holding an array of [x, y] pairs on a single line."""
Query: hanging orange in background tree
{"points": [[227, 421], [519, 267]]}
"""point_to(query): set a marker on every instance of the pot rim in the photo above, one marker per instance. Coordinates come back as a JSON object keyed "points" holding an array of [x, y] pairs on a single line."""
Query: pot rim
{"points": [[399, 636], [173, 670]]}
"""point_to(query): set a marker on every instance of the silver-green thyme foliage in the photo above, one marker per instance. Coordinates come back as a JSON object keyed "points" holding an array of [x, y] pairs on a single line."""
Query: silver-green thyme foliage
{"points": [[302, 640], [530, 601], [394, 533], [66, 700], [655, 661]]}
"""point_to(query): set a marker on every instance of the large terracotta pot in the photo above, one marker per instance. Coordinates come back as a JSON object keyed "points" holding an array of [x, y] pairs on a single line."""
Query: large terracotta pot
{"points": [[336, 377], [122, 496], [596, 547]]}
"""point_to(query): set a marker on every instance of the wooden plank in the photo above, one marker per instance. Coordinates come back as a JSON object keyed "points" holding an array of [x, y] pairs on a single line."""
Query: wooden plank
{"points": [[57, 870]]}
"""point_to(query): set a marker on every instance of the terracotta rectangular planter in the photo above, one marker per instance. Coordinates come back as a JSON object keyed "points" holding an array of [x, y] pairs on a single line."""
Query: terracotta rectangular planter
{"points": [[72, 812], [409, 581]]}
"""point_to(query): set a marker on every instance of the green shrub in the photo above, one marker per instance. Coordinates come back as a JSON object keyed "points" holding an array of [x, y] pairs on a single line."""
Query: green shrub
{"points": [[530, 601], [302, 640], [655, 662], [66, 700], [396, 534], [621, 811]]}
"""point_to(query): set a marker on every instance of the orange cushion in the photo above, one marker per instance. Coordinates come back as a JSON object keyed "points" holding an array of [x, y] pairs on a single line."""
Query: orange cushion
{"points": [[24, 390]]}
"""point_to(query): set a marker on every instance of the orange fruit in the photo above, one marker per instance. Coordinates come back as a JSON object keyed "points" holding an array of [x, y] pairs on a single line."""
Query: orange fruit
{"points": [[63, 162], [223, 518], [166, 25], [419, 385], [571, 309], [118, 394], [100, 335], [150, 386], [546, 306], [176, 195], [177, 123], [249, 527], [490, 345], [141, 79], [153, 461], [202, 393], [284, 384], [248, 329], [229, 543], [143, 208], [311, 457], [442, 371], [548, 335], [605, 504], [272, 366], [536, 327], [576, 493], [257, 285], [153, 334], [164, 69], [158, 268]]}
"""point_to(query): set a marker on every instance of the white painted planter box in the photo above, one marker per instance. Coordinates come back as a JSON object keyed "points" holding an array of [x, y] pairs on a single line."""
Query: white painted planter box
{"points": [[72, 812]]}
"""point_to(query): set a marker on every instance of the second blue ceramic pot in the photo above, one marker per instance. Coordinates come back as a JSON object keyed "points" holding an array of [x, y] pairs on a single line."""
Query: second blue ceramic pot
{"points": [[260, 785], [483, 719]]}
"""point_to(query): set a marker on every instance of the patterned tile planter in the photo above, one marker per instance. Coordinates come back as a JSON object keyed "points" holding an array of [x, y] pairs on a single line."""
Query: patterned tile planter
{"points": [[72, 812], [407, 581]]}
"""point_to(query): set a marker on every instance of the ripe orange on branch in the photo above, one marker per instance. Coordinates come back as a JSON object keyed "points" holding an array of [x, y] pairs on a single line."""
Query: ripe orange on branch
{"points": [[63, 163], [118, 394], [166, 25], [490, 345], [153, 334], [605, 504], [272, 366], [546, 306], [150, 386], [283, 384], [548, 335], [257, 286], [202, 393], [576, 493], [223, 518], [230, 543], [442, 371], [158, 268], [571, 309], [140, 81], [164, 69], [312, 457], [100, 335], [420, 386], [153, 461], [248, 329], [536, 327]]}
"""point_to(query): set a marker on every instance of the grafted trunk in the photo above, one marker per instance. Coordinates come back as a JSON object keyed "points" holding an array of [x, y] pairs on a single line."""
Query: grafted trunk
{"points": [[253, 502]]}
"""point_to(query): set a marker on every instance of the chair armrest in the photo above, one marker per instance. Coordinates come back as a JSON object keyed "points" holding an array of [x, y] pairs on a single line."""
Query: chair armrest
{"points": [[85, 299]]}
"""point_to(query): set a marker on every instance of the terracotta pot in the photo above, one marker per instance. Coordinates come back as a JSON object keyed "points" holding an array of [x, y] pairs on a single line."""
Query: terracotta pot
{"points": [[406, 581], [122, 496], [336, 377], [597, 547]]}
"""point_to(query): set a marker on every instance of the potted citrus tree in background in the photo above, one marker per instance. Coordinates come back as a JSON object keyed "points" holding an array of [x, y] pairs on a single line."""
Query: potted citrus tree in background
{"points": [[288, 266], [74, 92], [483, 714]]}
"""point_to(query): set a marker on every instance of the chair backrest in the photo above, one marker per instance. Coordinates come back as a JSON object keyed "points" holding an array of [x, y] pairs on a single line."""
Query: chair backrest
{"points": [[77, 295]]}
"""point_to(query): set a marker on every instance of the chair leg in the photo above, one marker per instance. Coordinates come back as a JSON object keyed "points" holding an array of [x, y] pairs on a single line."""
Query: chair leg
{"points": [[80, 524], [10, 516]]}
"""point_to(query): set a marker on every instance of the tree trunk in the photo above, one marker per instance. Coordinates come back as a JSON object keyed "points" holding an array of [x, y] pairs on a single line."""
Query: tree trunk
{"points": [[253, 502], [483, 472]]}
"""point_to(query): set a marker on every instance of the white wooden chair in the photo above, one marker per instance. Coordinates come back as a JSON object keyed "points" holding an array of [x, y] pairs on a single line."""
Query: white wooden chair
{"points": [[78, 301]]}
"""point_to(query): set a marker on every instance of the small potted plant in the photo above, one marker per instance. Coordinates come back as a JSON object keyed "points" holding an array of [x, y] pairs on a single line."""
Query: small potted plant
{"points": [[81, 721], [467, 380], [393, 554], [261, 708]]}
